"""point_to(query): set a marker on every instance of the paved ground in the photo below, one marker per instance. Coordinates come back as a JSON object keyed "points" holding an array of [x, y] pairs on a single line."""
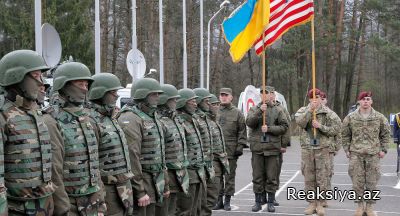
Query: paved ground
{"points": [[291, 176]]}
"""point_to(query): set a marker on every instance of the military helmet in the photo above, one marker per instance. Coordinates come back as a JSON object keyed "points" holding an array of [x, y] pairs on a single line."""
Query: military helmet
{"points": [[70, 71], [214, 99], [186, 95], [202, 93], [169, 92], [102, 83], [145, 86], [16, 64]]}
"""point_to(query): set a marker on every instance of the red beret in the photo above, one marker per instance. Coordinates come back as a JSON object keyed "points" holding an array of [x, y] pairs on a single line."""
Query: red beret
{"points": [[322, 94], [317, 92], [364, 94]]}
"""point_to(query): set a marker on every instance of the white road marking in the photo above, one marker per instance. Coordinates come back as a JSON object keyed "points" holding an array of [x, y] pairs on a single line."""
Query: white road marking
{"points": [[244, 188], [397, 186]]}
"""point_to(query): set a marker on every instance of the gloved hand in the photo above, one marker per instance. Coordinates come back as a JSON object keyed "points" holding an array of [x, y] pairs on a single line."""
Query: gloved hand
{"points": [[239, 151]]}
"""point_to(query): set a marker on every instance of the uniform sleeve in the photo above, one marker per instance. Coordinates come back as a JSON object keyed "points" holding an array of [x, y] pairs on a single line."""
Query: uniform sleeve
{"points": [[338, 142], [60, 196], [131, 125], [384, 134], [3, 191], [242, 130], [346, 134], [286, 136], [282, 124], [396, 130], [303, 117], [332, 128], [253, 117]]}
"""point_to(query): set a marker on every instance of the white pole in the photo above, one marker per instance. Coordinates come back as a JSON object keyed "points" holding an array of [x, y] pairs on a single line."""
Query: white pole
{"points": [[134, 37], [184, 45], [161, 42], [97, 37], [201, 46], [38, 26]]}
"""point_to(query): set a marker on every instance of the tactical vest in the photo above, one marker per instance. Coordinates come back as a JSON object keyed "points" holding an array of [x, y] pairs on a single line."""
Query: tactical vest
{"points": [[113, 149], [27, 153], [81, 163], [175, 143], [217, 138], [151, 154], [193, 142], [205, 136]]}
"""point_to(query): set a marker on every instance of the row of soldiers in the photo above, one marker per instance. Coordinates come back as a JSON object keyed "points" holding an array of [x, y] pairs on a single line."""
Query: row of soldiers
{"points": [[164, 153]]}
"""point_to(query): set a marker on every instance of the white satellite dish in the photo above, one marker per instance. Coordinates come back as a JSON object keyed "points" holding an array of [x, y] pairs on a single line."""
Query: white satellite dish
{"points": [[136, 64], [51, 45]]}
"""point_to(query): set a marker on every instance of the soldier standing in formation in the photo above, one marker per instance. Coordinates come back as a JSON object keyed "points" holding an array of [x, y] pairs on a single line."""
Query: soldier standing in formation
{"points": [[220, 158], [144, 134], [176, 151], [233, 126], [396, 136], [365, 137], [115, 166], [75, 161], [314, 141], [265, 154], [26, 140]]}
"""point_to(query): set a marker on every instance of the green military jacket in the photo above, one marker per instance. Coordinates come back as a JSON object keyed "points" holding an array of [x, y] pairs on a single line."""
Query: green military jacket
{"points": [[330, 126], [286, 136], [366, 136], [232, 121], [277, 126]]}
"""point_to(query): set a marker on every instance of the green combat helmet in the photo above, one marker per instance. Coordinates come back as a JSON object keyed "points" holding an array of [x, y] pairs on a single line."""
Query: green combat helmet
{"points": [[69, 72], [102, 83], [186, 95], [16, 64], [143, 87], [169, 92], [202, 93], [214, 99]]}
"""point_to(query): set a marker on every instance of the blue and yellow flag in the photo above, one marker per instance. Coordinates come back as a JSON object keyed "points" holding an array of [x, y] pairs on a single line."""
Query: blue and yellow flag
{"points": [[245, 25]]}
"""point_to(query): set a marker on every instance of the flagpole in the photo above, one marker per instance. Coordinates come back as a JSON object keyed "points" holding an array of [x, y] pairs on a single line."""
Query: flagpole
{"points": [[264, 79], [313, 72]]}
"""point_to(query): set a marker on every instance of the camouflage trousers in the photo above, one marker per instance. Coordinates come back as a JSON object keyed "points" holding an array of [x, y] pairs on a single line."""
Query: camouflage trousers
{"points": [[88, 205], [265, 172], [188, 205], [364, 171], [315, 169], [40, 207], [119, 199], [228, 188], [331, 170], [213, 187], [3, 202]]}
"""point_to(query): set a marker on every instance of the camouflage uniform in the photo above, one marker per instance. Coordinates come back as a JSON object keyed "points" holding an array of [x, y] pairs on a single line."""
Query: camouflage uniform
{"points": [[364, 138], [3, 190], [315, 158], [334, 146], [27, 151], [265, 156]]}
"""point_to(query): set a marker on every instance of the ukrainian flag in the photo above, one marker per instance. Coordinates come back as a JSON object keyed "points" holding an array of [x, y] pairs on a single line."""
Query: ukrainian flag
{"points": [[245, 25]]}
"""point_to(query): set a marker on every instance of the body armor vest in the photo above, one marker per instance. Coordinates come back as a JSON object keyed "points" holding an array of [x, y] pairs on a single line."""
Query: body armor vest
{"points": [[205, 133], [27, 153], [217, 138], [193, 142], [152, 157], [113, 150], [175, 143], [81, 164]]}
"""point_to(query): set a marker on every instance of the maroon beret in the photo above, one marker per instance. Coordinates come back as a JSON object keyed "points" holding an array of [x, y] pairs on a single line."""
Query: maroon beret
{"points": [[322, 94], [317, 92], [364, 94]]}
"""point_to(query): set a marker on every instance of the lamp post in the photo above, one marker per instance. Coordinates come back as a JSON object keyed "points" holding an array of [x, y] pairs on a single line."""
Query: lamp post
{"points": [[222, 6]]}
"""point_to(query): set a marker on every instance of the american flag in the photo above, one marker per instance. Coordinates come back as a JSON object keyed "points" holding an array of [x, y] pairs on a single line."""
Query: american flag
{"points": [[284, 14]]}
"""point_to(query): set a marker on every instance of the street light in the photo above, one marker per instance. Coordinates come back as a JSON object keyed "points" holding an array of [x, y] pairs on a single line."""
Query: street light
{"points": [[221, 6]]}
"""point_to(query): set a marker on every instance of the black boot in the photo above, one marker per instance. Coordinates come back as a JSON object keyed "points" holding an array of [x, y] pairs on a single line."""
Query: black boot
{"points": [[220, 204], [227, 204], [264, 198], [271, 198], [276, 203], [257, 206]]}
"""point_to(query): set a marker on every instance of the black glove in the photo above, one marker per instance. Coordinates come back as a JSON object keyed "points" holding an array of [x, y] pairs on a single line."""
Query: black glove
{"points": [[238, 153]]}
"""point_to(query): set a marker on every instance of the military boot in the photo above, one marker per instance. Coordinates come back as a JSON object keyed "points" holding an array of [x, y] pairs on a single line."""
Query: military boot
{"points": [[360, 209], [320, 209], [369, 210], [312, 206], [220, 204], [276, 202], [227, 204], [257, 206], [264, 198], [271, 198]]}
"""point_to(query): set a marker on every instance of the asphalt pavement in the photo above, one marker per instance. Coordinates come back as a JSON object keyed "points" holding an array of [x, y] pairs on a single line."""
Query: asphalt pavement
{"points": [[388, 186]]}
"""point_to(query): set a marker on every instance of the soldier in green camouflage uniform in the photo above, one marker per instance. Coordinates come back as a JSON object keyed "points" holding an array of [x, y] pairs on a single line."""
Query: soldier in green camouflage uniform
{"points": [[186, 107], [175, 150], [234, 129], [315, 151], [27, 148], [115, 166], [42, 93], [144, 134], [74, 144], [220, 158], [265, 156], [365, 138]]}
